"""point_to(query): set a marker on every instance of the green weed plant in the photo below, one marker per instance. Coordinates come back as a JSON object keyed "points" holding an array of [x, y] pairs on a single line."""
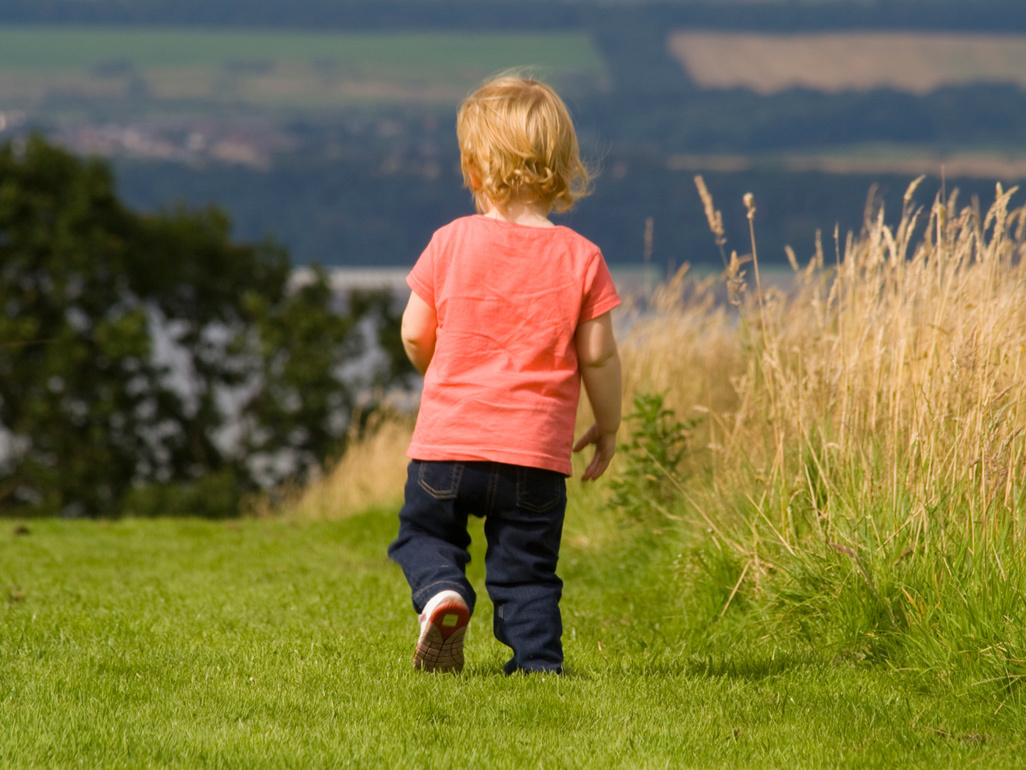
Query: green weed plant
{"points": [[647, 486]]}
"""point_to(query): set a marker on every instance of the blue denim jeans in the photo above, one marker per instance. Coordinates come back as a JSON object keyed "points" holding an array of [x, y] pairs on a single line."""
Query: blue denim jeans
{"points": [[523, 509]]}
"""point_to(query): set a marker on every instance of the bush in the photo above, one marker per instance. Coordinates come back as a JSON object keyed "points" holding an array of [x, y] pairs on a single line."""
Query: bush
{"points": [[148, 350]]}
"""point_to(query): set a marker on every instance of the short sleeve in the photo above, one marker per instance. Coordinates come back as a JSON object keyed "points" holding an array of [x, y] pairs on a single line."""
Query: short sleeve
{"points": [[599, 291], [421, 279]]}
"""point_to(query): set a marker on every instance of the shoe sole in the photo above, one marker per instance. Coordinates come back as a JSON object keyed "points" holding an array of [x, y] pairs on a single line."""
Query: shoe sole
{"points": [[440, 648]]}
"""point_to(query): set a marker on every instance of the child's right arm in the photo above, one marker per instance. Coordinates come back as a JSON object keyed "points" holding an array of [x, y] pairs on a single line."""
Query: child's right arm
{"points": [[419, 332], [600, 370]]}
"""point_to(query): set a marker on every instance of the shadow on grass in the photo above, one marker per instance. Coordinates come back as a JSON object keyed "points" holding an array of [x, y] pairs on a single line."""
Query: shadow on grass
{"points": [[744, 665], [750, 667]]}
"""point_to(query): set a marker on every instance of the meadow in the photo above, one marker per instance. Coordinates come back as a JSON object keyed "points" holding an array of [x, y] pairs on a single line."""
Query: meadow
{"points": [[808, 553]]}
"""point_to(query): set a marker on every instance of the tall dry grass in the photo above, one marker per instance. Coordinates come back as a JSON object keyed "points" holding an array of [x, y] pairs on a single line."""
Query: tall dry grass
{"points": [[891, 370], [863, 457]]}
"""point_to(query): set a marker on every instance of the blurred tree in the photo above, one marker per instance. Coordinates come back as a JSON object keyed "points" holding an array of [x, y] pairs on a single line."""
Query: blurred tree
{"points": [[148, 363]]}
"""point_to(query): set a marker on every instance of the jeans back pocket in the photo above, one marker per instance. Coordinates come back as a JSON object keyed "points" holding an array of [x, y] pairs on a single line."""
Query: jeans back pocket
{"points": [[441, 480], [540, 490]]}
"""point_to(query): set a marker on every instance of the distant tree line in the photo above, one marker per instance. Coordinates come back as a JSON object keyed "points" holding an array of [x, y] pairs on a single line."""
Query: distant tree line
{"points": [[149, 365], [344, 210], [387, 220], [738, 120]]}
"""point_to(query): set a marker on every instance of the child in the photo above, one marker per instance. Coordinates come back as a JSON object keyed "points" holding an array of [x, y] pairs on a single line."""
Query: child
{"points": [[508, 313]]}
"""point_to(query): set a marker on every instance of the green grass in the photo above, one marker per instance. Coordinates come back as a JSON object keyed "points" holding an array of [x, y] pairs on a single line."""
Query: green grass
{"points": [[279, 642]]}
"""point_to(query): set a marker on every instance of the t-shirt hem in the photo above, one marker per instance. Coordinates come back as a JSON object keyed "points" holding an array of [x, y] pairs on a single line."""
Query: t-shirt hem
{"points": [[544, 462]]}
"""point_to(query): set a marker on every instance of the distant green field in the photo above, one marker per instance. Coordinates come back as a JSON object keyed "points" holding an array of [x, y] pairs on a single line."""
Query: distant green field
{"points": [[56, 48], [176, 63]]}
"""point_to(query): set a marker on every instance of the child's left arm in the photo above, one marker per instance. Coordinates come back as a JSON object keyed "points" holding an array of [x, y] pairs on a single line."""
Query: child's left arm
{"points": [[600, 371], [419, 330]]}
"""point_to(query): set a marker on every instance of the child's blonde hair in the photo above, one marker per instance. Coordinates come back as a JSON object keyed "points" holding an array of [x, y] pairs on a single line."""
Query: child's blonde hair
{"points": [[518, 145]]}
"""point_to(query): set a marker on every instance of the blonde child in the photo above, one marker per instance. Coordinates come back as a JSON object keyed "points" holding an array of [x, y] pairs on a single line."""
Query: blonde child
{"points": [[508, 314]]}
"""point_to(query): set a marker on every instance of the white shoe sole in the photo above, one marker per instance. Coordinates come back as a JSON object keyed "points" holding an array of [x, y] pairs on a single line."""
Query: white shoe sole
{"points": [[440, 647]]}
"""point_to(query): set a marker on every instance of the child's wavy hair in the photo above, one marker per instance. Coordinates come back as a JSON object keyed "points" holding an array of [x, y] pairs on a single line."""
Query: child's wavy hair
{"points": [[518, 145]]}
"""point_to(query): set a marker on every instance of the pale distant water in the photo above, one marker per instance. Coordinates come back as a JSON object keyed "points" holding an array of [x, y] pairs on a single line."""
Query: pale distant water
{"points": [[633, 282], [630, 280]]}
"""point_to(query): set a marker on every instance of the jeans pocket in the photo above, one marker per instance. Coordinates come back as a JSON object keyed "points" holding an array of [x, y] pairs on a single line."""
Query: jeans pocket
{"points": [[540, 490], [441, 480]]}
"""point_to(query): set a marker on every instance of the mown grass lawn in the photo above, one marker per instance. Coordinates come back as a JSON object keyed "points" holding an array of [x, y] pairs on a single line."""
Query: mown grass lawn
{"points": [[281, 642]]}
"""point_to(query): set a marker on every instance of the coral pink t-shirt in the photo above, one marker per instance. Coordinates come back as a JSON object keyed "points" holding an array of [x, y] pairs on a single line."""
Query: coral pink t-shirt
{"points": [[503, 383]]}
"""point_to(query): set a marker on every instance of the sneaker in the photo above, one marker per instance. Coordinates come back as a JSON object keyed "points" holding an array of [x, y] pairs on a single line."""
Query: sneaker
{"points": [[443, 624]]}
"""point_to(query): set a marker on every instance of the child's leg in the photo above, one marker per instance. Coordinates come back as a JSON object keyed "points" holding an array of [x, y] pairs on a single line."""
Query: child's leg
{"points": [[432, 543], [524, 526]]}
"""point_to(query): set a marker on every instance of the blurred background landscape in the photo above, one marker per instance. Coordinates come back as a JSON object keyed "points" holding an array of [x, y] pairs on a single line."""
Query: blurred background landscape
{"points": [[329, 126], [173, 173]]}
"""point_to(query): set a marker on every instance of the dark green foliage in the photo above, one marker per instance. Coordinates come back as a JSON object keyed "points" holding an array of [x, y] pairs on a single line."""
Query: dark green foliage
{"points": [[345, 213], [649, 484], [139, 350], [213, 496]]}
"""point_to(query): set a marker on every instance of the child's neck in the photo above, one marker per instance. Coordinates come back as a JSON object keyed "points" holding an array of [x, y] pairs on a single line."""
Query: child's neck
{"points": [[520, 214]]}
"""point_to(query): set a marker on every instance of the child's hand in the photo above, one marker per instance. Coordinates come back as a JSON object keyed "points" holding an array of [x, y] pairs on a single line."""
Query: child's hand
{"points": [[605, 448]]}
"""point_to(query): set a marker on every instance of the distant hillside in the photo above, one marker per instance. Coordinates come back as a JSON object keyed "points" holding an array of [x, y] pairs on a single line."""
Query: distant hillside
{"points": [[340, 144]]}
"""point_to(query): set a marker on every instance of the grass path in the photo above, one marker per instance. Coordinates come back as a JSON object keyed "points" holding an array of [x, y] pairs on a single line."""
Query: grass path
{"points": [[285, 643]]}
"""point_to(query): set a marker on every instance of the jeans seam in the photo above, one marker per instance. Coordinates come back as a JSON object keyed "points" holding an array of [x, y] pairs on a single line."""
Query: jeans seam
{"points": [[493, 486]]}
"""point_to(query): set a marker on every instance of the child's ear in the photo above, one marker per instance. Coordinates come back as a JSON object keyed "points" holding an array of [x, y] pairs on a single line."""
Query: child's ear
{"points": [[473, 178]]}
